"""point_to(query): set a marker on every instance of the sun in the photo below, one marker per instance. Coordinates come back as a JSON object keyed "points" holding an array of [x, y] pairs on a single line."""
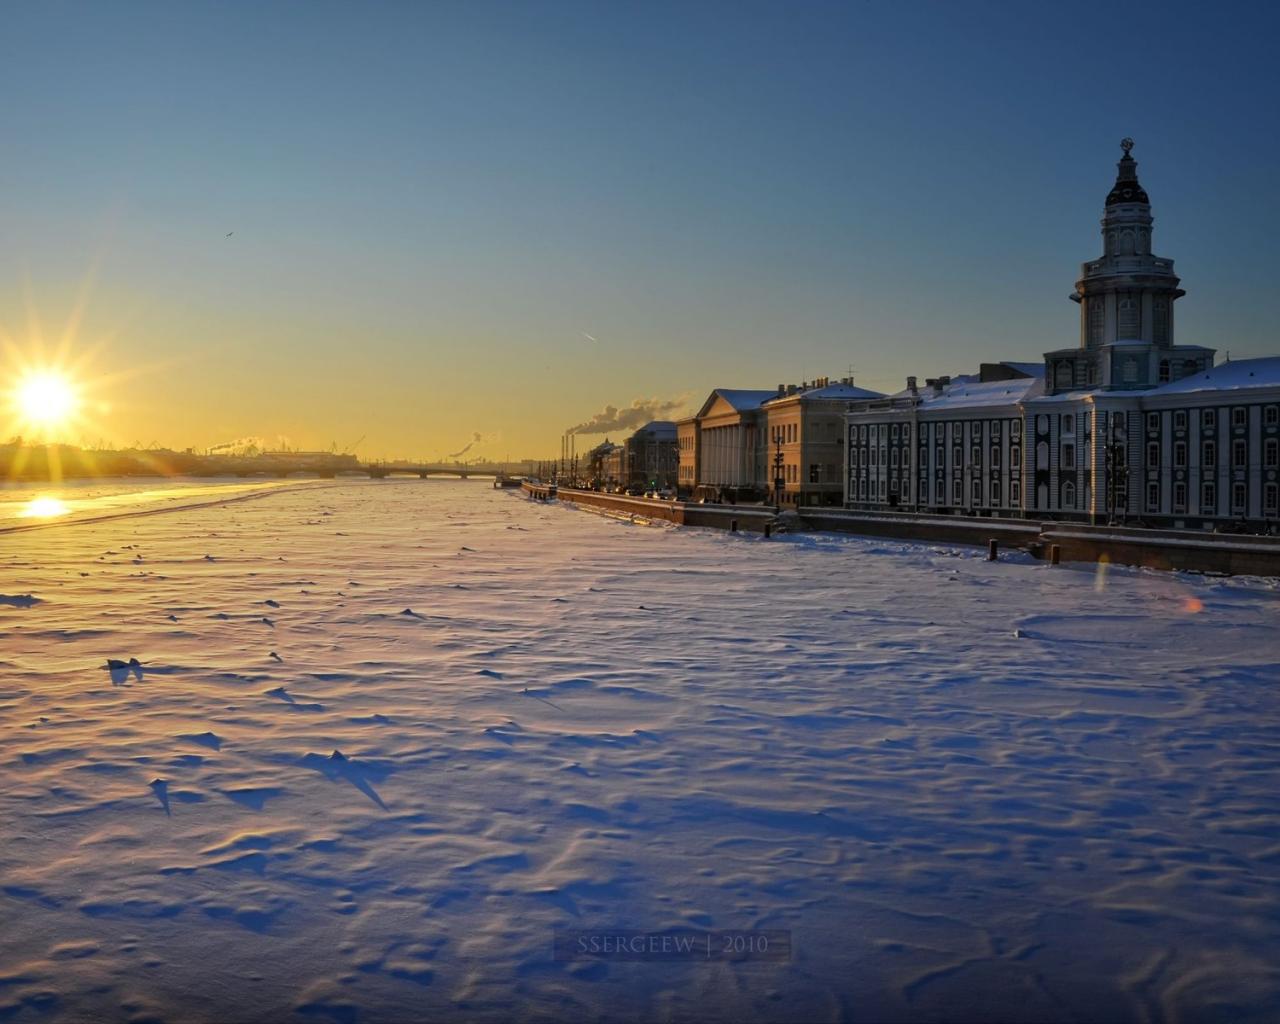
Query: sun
{"points": [[46, 398]]}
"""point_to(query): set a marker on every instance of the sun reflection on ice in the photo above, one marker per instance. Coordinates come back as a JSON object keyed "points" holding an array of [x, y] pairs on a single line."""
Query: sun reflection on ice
{"points": [[45, 507]]}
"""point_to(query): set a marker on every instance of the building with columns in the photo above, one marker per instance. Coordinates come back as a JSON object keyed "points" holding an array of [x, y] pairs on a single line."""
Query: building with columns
{"points": [[1126, 426], [785, 446]]}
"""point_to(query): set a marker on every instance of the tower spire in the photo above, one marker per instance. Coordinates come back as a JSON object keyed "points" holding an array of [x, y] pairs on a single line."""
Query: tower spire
{"points": [[1126, 188]]}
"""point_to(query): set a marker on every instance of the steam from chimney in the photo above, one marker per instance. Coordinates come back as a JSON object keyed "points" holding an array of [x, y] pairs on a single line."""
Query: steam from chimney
{"points": [[637, 414]]}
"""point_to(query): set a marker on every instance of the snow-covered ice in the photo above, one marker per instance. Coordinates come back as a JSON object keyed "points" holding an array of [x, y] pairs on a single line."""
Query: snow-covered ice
{"points": [[384, 738]]}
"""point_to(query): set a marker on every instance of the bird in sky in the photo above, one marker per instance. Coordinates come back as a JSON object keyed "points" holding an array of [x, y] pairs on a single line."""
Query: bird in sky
{"points": [[230, 233], [589, 337]]}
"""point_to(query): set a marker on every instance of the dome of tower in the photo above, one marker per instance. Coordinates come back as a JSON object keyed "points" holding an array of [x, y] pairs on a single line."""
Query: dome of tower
{"points": [[1126, 188]]}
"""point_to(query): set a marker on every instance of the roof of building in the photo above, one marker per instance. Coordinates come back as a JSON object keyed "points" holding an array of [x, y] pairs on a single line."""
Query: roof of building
{"points": [[846, 392], [662, 428], [1126, 188], [1030, 369], [744, 400], [1234, 375], [741, 401], [969, 393]]}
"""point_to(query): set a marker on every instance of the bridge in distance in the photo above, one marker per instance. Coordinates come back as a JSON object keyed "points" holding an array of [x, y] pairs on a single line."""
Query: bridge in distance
{"points": [[281, 465]]}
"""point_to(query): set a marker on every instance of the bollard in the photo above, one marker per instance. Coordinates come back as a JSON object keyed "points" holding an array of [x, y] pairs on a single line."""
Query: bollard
{"points": [[768, 529], [1055, 554], [733, 526], [993, 549]]}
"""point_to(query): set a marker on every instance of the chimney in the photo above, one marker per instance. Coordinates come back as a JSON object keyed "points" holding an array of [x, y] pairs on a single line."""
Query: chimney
{"points": [[782, 389], [791, 389], [911, 386], [944, 381]]}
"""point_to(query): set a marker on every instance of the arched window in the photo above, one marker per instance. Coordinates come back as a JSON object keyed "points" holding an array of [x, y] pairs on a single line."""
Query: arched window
{"points": [[1068, 495], [1062, 376], [1097, 319], [1126, 242], [1129, 319], [1160, 321]]}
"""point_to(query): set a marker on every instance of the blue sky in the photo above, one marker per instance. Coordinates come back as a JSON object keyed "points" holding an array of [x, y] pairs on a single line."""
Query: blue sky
{"points": [[433, 204]]}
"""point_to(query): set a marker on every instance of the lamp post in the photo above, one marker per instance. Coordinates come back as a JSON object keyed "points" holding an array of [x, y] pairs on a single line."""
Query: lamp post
{"points": [[778, 482]]}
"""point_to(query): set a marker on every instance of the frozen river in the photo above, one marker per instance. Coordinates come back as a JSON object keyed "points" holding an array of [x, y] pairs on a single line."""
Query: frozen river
{"points": [[386, 738]]}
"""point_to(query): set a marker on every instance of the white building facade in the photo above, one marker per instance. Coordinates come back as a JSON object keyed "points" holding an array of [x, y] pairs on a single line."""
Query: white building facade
{"points": [[1128, 426]]}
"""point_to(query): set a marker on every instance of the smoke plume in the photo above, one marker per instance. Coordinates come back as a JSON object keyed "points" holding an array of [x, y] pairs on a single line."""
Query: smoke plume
{"points": [[476, 438], [637, 414]]}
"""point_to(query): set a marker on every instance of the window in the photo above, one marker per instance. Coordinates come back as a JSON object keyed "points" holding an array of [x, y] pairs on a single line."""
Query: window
{"points": [[1153, 422], [995, 457], [1179, 497], [1015, 428], [1160, 323], [1239, 416], [1062, 375], [1129, 370], [1271, 499], [1015, 492], [1068, 424], [1128, 318], [977, 492], [1015, 457], [995, 492], [1180, 420], [1068, 456], [1097, 320], [1180, 454], [1068, 495], [957, 493], [893, 432], [1153, 497], [1208, 499], [1238, 496], [1271, 415], [1239, 454], [893, 457], [1207, 419], [1272, 458], [957, 458], [1153, 455], [1208, 455], [906, 432], [1164, 371], [975, 457]]}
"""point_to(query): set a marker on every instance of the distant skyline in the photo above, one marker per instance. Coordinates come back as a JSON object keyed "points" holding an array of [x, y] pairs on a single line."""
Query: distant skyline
{"points": [[471, 226]]}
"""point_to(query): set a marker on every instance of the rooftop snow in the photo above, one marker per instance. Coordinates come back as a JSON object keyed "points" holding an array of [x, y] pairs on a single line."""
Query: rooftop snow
{"points": [[1236, 375], [842, 391]]}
